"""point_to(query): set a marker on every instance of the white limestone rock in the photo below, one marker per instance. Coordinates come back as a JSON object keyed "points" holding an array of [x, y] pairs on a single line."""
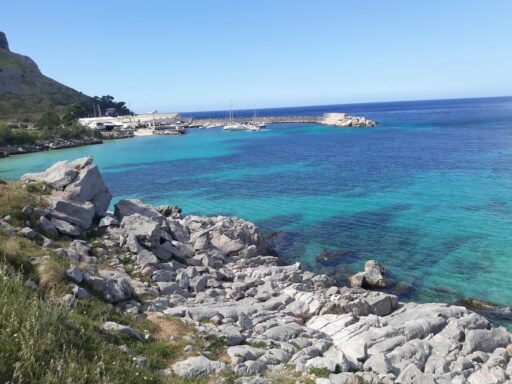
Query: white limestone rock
{"points": [[65, 228], [58, 176], [111, 327], [198, 366]]}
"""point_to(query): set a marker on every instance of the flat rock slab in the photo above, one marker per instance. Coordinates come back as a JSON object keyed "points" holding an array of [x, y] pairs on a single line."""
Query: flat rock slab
{"points": [[198, 366]]}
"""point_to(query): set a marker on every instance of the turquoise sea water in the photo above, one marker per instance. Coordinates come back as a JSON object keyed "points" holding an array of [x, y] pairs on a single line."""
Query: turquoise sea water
{"points": [[428, 192]]}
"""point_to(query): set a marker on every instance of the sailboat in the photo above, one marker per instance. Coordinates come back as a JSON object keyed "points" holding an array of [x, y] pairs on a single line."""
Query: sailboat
{"points": [[233, 126], [259, 124]]}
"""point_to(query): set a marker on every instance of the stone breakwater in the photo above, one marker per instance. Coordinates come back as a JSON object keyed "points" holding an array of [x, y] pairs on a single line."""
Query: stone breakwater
{"points": [[335, 119], [220, 274]]}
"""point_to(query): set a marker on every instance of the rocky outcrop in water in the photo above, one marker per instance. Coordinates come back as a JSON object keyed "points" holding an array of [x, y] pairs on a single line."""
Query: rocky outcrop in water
{"points": [[219, 273], [371, 277], [344, 120]]}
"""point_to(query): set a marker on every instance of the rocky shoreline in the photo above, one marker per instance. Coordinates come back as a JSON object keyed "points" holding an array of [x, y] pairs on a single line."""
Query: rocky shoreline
{"points": [[50, 145], [220, 274], [47, 145]]}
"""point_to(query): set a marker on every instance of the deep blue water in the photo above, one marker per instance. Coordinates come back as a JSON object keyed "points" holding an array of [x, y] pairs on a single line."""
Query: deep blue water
{"points": [[427, 192]]}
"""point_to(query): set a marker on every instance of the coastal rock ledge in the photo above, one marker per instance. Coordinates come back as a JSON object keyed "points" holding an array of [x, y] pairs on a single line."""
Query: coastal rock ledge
{"points": [[220, 274]]}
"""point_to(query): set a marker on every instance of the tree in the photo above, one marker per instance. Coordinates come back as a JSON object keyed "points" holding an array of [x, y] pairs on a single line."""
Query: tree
{"points": [[105, 102], [49, 121], [72, 113]]}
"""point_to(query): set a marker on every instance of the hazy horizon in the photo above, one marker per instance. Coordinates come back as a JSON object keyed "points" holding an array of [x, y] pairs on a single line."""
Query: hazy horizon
{"points": [[337, 104]]}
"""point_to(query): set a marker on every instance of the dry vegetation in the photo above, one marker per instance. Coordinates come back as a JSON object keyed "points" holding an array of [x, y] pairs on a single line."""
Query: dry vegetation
{"points": [[51, 273]]}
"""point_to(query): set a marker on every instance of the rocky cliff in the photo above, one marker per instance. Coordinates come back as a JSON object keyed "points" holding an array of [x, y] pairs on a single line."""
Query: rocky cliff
{"points": [[25, 91], [219, 274], [3, 41]]}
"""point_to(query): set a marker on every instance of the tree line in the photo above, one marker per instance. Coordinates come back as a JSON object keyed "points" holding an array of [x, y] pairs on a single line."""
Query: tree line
{"points": [[52, 125]]}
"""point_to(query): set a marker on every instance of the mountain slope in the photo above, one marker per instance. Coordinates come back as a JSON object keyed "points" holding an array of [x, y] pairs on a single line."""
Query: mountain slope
{"points": [[25, 92]]}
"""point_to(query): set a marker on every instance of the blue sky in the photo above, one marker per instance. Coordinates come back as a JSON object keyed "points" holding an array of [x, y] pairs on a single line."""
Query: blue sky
{"points": [[195, 55]]}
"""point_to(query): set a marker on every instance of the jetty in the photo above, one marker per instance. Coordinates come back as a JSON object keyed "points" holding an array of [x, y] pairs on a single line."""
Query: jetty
{"points": [[333, 119]]}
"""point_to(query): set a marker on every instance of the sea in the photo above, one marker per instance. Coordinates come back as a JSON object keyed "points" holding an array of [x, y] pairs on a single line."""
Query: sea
{"points": [[428, 192]]}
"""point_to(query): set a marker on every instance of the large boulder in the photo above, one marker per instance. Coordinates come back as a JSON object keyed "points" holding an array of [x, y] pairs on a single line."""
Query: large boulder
{"points": [[145, 230], [65, 228], [241, 353], [47, 227], [89, 186], [372, 277], [58, 176], [116, 285], [73, 212], [79, 192], [130, 207], [231, 235], [486, 340]]}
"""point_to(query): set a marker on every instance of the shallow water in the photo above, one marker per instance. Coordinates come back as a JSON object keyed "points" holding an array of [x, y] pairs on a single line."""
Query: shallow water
{"points": [[427, 193]]}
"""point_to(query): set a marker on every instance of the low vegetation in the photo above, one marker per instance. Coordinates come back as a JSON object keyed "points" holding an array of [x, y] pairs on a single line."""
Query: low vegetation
{"points": [[15, 195], [13, 135]]}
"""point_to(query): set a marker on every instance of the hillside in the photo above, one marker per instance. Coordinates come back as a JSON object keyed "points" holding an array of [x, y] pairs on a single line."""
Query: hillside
{"points": [[25, 92]]}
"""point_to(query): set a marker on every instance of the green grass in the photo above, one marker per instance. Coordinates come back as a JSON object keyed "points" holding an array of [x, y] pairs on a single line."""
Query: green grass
{"points": [[258, 344], [16, 195], [47, 343], [320, 372]]}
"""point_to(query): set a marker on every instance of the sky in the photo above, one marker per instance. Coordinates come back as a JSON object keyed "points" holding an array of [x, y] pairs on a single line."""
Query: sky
{"points": [[196, 55]]}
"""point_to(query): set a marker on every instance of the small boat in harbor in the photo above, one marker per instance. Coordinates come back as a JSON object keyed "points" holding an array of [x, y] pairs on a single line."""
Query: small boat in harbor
{"points": [[210, 125], [259, 124], [235, 126], [232, 125]]}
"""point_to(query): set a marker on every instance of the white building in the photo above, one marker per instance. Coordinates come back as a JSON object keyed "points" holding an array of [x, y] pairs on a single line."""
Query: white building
{"points": [[125, 122]]}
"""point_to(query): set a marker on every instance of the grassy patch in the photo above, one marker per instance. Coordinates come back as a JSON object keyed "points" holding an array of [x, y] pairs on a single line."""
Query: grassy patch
{"points": [[258, 344], [47, 343], [16, 195], [17, 251], [320, 372]]}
